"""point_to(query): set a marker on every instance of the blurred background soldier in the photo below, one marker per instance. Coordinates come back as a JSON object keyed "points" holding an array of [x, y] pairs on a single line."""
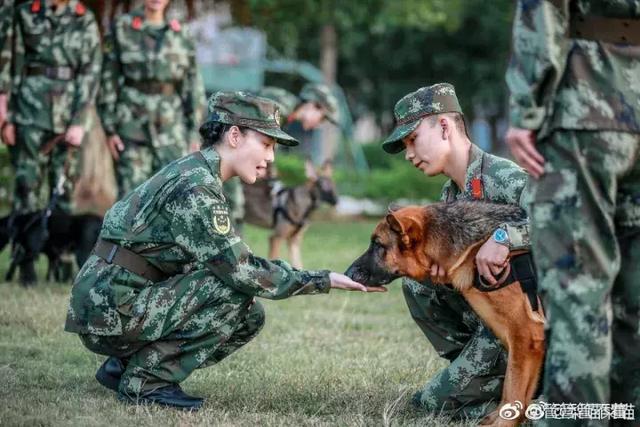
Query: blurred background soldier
{"points": [[6, 32], [55, 72], [152, 98], [575, 117], [315, 104]]}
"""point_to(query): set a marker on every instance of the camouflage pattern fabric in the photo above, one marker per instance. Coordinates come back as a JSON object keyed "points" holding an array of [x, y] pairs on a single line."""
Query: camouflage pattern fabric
{"points": [[582, 98], [43, 107], [585, 231], [409, 111], [247, 110], [29, 162], [6, 35], [151, 120], [471, 386], [179, 221], [287, 101], [561, 83], [66, 37]]}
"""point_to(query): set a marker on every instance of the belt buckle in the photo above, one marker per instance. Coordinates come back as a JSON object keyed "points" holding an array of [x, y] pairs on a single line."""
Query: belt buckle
{"points": [[112, 254], [64, 73]]}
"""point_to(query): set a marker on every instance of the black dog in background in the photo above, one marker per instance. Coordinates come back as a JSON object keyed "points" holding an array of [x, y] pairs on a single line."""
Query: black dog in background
{"points": [[61, 233]]}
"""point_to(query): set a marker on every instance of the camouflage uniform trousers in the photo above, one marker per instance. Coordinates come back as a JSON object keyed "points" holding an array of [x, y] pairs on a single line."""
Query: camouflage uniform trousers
{"points": [[585, 234], [140, 160], [234, 195], [31, 167], [191, 321], [471, 386]]}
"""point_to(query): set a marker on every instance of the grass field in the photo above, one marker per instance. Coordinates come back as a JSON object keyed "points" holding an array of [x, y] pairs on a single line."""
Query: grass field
{"points": [[347, 359]]}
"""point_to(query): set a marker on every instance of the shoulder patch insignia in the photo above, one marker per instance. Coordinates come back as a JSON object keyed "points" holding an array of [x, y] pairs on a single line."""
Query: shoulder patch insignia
{"points": [[221, 220], [136, 23], [35, 6], [80, 9], [476, 188]]}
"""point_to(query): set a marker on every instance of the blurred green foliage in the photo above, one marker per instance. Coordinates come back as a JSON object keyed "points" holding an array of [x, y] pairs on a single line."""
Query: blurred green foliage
{"points": [[388, 48], [391, 177]]}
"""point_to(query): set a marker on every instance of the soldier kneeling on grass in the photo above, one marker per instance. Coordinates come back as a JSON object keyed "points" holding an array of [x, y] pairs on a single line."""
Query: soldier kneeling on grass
{"points": [[170, 288]]}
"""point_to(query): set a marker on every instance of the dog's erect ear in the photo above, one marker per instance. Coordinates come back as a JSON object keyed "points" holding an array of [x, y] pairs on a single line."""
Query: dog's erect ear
{"points": [[409, 229], [310, 171], [326, 169]]}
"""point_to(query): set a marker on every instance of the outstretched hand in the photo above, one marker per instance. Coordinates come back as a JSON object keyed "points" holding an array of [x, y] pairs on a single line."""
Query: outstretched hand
{"points": [[340, 281]]}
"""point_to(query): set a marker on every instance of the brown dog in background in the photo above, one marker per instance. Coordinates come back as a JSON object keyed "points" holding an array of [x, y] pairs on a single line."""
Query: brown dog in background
{"points": [[408, 241]]}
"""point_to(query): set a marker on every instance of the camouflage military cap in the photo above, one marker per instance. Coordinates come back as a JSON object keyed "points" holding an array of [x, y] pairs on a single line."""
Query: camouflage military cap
{"points": [[323, 95], [287, 101], [250, 111], [409, 111]]}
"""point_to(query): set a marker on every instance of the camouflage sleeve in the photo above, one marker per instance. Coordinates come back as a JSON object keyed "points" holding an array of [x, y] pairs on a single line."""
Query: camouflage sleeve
{"points": [[202, 227], [519, 233], [109, 82], [193, 95], [538, 59], [17, 64], [88, 77], [6, 44]]}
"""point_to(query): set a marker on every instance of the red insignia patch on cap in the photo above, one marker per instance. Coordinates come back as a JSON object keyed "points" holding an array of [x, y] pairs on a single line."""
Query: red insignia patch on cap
{"points": [[136, 23], [476, 188], [35, 6], [80, 9], [175, 25]]}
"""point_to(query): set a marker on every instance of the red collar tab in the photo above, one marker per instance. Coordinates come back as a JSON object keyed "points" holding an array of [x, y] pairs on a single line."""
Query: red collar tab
{"points": [[476, 188], [136, 23], [175, 25], [80, 9], [35, 6]]}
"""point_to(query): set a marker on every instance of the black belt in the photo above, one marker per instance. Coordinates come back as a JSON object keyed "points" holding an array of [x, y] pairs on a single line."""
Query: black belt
{"points": [[523, 271], [152, 87], [56, 73], [131, 261], [604, 29]]}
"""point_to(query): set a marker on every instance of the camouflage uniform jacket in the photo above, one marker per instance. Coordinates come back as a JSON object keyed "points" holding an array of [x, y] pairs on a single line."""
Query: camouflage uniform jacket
{"points": [[67, 37], [6, 34], [177, 220], [558, 82], [137, 52], [497, 180]]}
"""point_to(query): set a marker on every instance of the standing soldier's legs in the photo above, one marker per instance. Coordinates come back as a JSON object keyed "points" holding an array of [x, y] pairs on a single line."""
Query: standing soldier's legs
{"points": [[191, 321], [134, 166], [29, 164], [574, 239], [63, 161], [471, 386], [625, 299]]}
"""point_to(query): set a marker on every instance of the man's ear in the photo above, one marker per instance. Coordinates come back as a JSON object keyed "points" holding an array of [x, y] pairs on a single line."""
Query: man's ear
{"points": [[446, 129]]}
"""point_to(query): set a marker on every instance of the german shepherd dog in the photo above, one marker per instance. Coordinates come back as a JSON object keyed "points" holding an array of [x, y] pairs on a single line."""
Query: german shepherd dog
{"points": [[292, 207], [409, 240]]}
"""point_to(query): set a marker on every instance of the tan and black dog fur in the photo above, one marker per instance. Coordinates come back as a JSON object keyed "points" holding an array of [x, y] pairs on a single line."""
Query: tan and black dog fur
{"points": [[409, 240]]}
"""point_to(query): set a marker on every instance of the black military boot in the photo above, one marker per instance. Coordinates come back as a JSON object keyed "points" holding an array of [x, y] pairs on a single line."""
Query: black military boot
{"points": [[171, 396], [110, 372]]}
